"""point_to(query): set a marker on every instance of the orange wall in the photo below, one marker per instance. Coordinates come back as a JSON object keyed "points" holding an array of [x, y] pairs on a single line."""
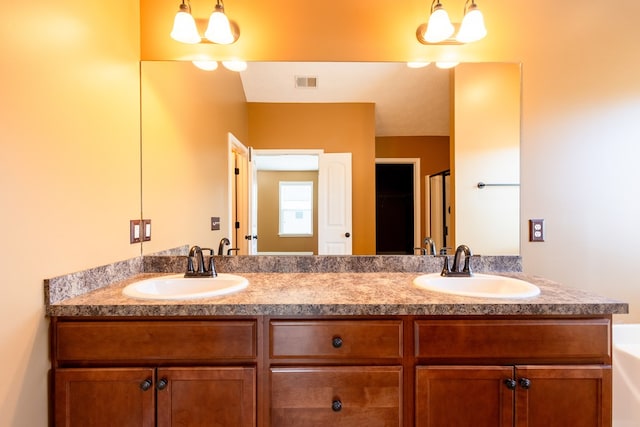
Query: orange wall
{"points": [[184, 151], [336, 128], [269, 213], [433, 152]]}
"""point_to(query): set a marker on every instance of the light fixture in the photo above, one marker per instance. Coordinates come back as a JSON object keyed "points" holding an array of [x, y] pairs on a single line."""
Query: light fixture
{"points": [[219, 29], [472, 28], [184, 26], [206, 65], [439, 29]]}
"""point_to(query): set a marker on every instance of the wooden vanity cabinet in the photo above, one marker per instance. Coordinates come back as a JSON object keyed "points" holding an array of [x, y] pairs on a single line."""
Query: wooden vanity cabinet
{"points": [[154, 373], [551, 372], [335, 373]]}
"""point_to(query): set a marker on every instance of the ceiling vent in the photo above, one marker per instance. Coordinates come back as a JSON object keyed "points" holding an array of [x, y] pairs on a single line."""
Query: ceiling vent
{"points": [[309, 82]]}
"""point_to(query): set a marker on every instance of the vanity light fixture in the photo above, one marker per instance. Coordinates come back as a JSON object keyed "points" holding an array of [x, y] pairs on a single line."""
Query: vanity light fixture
{"points": [[440, 30], [219, 29], [446, 64], [206, 65], [418, 64], [184, 26]]}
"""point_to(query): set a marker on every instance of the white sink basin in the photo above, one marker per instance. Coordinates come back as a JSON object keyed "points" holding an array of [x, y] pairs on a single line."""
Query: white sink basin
{"points": [[176, 287], [478, 285]]}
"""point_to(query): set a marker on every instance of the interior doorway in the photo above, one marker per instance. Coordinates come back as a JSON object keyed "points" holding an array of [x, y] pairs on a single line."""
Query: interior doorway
{"points": [[397, 206]]}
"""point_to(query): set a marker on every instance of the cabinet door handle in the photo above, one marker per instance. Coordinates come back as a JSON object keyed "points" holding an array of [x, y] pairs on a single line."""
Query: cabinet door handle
{"points": [[525, 383], [336, 342], [146, 384], [162, 384], [336, 405], [510, 383]]}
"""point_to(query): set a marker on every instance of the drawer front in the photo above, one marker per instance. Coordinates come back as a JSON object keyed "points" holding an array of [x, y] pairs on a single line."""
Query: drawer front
{"points": [[333, 339], [139, 341], [363, 396], [514, 341]]}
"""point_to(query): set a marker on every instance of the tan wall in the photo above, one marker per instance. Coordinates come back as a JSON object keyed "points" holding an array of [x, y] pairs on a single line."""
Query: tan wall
{"points": [[185, 146], [269, 213], [433, 152], [69, 170], [336, 128]]}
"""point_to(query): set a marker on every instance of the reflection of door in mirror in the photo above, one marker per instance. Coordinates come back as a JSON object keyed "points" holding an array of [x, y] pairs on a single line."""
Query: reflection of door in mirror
{"points": [[239, 227]]}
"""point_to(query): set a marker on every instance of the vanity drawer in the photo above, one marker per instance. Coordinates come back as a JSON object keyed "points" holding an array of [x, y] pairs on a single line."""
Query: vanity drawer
{"points": [[335, 339], [514, 341], [330, 396], [154, 341]]}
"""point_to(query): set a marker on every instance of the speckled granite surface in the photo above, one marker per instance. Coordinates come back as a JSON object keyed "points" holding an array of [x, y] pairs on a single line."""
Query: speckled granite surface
{"points": [[341, 293]]}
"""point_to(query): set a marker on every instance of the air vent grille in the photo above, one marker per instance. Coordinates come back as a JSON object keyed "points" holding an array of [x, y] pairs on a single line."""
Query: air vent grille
{"points": [[308, 82]]}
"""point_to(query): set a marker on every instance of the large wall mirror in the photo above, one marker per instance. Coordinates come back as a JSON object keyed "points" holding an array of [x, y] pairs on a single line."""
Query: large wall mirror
{"points": [[460, 127]]}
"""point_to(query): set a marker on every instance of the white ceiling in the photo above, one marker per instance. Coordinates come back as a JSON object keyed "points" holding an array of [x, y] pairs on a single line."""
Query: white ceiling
{"points": [[408, 101]]}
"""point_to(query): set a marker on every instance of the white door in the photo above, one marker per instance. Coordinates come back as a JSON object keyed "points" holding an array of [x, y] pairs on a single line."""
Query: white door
{"points": [[334, 204]]}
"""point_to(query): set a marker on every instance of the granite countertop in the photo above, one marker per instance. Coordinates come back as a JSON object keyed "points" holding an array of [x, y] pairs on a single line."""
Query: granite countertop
{"points": [[337, 293]]}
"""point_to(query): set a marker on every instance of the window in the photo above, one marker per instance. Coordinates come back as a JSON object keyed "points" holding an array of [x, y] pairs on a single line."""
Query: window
{"points": [[296, 208]]}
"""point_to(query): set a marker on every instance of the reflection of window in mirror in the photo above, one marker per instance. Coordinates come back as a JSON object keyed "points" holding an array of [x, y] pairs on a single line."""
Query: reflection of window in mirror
{"points": [[296, 208]]}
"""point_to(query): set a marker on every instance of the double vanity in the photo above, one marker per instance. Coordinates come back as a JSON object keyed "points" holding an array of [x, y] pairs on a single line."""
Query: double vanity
{"points": [[318, 341]]}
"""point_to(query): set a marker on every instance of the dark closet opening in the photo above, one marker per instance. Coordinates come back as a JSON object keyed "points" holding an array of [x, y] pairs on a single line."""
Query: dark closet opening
{"points": [[394, 209]]}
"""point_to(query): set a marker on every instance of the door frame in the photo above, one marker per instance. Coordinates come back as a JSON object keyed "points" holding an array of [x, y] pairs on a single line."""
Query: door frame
{"points": [[415, 161], [238, 198]]}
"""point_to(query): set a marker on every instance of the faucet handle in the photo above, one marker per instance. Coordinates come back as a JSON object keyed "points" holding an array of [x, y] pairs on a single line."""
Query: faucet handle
{"points": [[445, 268]]}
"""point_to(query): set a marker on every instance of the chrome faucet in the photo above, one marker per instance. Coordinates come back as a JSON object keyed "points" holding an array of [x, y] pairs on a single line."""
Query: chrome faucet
{"points": [[455, 268], [196, 252], [224, 241], [429, 247]]}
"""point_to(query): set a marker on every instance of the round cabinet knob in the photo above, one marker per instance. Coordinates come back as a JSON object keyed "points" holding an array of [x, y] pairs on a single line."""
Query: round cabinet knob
{"points": [[336, 342], [336, 405], [347, 234], [510, 383], [525, 383], [162, 384], [146, 384]]}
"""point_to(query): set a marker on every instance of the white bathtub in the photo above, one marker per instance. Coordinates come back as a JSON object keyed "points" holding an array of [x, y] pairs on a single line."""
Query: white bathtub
{"points": [[626, 375]]}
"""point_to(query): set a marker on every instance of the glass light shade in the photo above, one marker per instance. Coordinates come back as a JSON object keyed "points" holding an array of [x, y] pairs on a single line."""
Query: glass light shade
{"points": [[235, 65], [472, 28], [219, 29], [206, 65], [439, 27], [184, 28]]}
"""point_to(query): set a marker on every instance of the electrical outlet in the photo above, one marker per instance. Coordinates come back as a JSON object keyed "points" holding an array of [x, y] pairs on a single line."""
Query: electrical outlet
{"points": [[536, 230]]}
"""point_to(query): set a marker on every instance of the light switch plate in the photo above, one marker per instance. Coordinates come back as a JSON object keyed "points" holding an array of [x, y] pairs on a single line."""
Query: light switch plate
{"points": [[215, 223], [135, 231], [146, 230]]}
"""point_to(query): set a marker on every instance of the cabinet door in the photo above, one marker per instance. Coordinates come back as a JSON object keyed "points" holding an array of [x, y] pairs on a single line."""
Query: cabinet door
{"points": [[206, 397], [577, 396], [462, 396], [363, 396], [104, 397]]}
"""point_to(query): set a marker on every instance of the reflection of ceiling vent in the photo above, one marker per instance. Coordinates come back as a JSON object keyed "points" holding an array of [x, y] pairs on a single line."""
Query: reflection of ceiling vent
{"points": [[306, 82]]}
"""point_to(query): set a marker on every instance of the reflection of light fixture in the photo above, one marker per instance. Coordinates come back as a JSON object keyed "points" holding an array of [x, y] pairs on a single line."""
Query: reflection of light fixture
{"points": [[446, 64], [218, 30], [184, 26], [417, 64], [210, 65], [206, 65], [235, 65], [472, 28], [439, 29]]}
